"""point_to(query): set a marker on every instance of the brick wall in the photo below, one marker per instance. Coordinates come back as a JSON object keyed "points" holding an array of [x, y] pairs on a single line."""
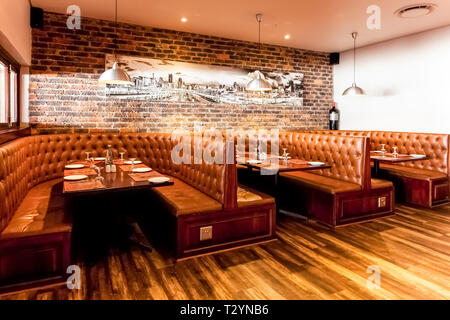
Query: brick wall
{"points": [[66, 64]]}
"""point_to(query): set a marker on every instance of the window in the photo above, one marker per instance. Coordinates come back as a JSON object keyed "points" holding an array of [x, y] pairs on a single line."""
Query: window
{"points": [[3, 96], [9, 91]]}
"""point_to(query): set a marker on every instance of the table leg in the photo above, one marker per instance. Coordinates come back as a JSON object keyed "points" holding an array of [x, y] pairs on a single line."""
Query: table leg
{"points": [[376, 167], [138, 238], [276, 192], [277, 202]]}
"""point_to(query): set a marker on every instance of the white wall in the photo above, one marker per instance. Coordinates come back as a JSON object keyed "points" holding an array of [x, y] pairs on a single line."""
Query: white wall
{"points": [[407, 82], [15, 30]]}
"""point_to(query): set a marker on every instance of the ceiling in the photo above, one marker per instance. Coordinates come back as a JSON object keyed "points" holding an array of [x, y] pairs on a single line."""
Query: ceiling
{"points": [[322, 25]]}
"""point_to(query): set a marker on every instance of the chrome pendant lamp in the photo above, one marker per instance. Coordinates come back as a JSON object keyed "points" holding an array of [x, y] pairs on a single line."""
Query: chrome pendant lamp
{"points": [[259, 84], [354, 90], [115, 75]]}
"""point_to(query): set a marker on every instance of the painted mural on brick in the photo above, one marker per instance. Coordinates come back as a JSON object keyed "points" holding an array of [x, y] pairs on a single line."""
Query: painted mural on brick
{"points": [[174, 81]]}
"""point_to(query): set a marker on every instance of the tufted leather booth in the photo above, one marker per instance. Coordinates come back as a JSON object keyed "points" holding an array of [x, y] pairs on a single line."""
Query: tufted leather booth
{"points": [[435, 146], [343, 194], [27, 162], [423, 183], [32, 209], [346, 155]]}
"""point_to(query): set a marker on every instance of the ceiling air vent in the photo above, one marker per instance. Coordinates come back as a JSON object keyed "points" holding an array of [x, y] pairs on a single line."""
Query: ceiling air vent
{"points": [[416, 10]]}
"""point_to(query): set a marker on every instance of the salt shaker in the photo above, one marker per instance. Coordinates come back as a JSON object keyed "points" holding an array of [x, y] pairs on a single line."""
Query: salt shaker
{"points": [[113, 168], [108, 168]]}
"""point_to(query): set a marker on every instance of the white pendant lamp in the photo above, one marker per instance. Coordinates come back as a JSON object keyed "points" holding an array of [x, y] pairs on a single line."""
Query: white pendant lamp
{"points": [[115, 75], [354, 90], [259, 84]]}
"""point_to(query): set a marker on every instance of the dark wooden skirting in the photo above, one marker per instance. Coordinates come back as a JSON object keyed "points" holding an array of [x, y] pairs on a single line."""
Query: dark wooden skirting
{"points": [[337, 209], [231, 228], [35, 260], [7, 135], [411, 248], [420, 192]]}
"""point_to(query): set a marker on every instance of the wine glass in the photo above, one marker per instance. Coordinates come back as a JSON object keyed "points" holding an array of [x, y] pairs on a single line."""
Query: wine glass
{"points": [[132, 163], [92, 162], [99, 173], [121, 156], [383, 149], [285, 154], [88, 155], [395, 153]]}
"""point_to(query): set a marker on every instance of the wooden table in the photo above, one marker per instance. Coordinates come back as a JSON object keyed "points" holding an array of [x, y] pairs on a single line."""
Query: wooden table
{"points": [[389, 158], [288, 165], [118, 181]]}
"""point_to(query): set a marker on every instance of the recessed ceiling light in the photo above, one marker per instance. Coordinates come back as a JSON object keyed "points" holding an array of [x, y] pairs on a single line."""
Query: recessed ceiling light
{"points": [[287, 37], [416, 10], [183, 19]]}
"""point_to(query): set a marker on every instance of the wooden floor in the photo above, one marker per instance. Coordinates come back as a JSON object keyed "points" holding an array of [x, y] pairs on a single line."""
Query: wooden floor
{"points": [[412, 250]]}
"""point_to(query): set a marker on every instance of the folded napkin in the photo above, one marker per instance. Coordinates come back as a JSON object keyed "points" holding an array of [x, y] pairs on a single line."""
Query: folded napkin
{"points": [[84, 171], [144, 176], [119, 162], [128, 167], [86, 163], [297, 161], [391, 155], [82, 185]]}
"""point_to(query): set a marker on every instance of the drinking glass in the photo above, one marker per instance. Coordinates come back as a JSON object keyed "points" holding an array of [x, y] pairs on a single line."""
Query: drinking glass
{"points": [[99, 173], [383, 149], [132, 163], [395, 153], [285, 154]]}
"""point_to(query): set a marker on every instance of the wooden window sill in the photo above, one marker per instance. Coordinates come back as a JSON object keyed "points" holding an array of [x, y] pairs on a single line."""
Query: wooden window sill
{"points": [[9, 134]]}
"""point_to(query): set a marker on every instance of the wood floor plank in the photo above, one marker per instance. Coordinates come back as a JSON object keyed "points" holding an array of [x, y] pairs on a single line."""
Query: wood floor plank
{"points": [[309, 261]]}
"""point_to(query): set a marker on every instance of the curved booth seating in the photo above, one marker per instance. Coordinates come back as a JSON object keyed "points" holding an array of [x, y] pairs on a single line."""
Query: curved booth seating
{"points": [[424, 183], [343, 194], [35, 221]]}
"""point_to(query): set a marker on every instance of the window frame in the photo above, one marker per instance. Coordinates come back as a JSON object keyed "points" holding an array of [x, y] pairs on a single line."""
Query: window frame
{"points": [[11, 65]]}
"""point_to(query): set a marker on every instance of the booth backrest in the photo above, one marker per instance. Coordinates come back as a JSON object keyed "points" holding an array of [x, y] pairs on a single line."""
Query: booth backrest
{"points": [[29, 161], [435, 146], [347, 155]]}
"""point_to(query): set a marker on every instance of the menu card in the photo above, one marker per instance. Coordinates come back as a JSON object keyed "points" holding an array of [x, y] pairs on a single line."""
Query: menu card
{"points": [[82, 185], [129, 168], [84, 171], [144, 176]]}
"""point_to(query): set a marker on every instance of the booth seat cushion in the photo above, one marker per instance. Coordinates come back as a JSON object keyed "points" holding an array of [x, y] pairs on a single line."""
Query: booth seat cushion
{"points": [[415, 173], [181, 199], [322, 183], [380, 184], [248, 197], [42, 211]]}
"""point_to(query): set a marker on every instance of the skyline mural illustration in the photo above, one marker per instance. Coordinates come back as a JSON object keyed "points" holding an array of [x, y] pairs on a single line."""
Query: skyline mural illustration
{"points": [[174, 81]]}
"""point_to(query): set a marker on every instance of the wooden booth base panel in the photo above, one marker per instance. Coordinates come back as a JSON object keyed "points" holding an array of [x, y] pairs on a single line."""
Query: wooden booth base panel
{"points": [[421, 193], [199, 234], [34, 261], [342, 209]]}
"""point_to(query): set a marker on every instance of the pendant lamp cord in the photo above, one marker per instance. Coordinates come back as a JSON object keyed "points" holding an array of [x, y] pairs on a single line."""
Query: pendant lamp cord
{"points": [[354, 35], [259, 19], [259, 33], [115, 33]]}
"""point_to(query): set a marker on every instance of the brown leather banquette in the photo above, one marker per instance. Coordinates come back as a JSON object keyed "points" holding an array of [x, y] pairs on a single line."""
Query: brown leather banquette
{"points": [[424, 183], [35, 225], [343, 194]]}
